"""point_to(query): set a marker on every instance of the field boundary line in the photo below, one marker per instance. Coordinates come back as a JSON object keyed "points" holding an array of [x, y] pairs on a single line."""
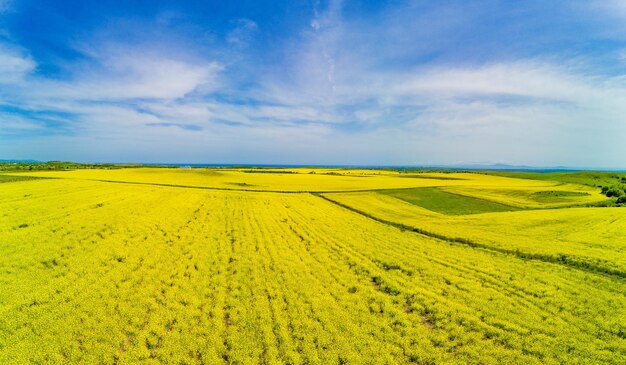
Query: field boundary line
{"points": [[560, 259]]}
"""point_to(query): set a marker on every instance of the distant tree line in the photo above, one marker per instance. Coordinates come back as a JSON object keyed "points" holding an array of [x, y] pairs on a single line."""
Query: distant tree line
{"points": [[56, 166], [617, 190]]}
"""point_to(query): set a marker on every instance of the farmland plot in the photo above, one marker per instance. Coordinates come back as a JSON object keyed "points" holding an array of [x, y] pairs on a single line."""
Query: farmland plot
{"points": [[99, 272], [591, 238]]}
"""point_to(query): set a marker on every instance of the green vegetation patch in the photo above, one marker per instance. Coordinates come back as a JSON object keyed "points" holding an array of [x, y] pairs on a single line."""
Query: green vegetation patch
{"points": [[14, 178], [57, 166], [441, 201], [556, 196]]}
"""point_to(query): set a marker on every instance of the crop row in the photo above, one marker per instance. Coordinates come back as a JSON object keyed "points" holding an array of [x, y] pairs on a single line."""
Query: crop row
{"points": [[109, 273]]}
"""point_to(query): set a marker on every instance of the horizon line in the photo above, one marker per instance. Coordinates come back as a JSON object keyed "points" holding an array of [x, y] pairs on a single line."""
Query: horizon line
{"points": [[456, 166]]}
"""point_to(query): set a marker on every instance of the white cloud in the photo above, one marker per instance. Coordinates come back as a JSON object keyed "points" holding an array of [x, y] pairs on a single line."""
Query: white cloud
{"points": [[15, 64], [543, 81], [145, 77], [122, 78]]}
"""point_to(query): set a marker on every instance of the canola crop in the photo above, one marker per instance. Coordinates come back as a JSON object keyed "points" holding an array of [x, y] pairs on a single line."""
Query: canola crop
{"points": [[591, 238], [309, 180], [94, 272], [555, 196]]}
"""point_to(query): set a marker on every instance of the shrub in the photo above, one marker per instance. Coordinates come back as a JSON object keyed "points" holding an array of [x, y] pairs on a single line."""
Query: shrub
{"points": [[615, 191]]}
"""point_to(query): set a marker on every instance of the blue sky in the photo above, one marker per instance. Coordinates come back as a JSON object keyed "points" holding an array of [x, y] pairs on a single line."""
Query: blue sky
{"points": [[315, 82]]}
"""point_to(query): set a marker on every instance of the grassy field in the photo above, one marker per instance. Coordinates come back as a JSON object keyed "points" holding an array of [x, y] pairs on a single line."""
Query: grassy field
{"points": [[438, 200], [305, 266]]}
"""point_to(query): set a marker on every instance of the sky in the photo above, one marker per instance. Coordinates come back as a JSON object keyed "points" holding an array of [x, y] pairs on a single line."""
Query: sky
{"points": [[538, 83]]}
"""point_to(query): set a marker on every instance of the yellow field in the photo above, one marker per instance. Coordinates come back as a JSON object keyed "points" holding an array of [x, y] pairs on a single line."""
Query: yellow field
{"points": [[305, 180], [522, 195], [594, 236], [139, 272]]}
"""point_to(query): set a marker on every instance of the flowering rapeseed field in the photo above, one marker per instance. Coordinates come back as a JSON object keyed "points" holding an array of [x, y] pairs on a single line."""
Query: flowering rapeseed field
{"points": [[168, 266]]}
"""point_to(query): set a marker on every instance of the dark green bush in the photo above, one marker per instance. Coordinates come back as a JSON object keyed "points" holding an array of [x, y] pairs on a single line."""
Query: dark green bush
{"points": [[615, 191]]}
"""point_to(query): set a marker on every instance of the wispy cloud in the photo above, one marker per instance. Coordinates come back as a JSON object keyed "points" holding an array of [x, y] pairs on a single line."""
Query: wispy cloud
{"points": [[134, 73], [189, 127], [15, 64], [243, 33]]}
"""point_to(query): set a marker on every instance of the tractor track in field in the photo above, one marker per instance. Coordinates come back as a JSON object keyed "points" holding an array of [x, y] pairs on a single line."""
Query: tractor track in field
{"points": [[562, 260]]}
